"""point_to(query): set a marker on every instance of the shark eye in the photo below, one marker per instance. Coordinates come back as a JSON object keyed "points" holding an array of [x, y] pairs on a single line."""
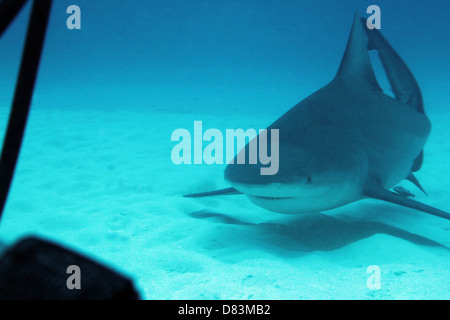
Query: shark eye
{"points": [[308, 180]]}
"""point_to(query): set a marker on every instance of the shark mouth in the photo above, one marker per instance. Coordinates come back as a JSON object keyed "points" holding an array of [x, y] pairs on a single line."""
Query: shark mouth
{"points": [[290, 205], [272, 198], [292, 198], [280, 191]]}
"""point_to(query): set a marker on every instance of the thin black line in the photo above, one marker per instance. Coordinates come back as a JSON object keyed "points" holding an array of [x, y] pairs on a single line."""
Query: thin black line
{"points": [[23, 94]]}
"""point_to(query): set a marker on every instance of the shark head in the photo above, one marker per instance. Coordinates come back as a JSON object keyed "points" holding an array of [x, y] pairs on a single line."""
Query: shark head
{"points": [[316, 172], [301, 194]]}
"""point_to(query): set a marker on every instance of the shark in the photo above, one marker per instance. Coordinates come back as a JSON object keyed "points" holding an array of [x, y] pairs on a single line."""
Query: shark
{"points": [[347, 141]]}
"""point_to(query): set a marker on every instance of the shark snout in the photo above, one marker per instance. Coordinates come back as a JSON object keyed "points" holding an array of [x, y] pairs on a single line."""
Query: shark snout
{"points": [[292, 193], [247, 178], [288, 198]]}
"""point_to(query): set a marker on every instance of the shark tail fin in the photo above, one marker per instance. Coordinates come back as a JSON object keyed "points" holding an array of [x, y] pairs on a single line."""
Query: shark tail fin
{"points": [[400, 77], [377, 192], [227, 191]]}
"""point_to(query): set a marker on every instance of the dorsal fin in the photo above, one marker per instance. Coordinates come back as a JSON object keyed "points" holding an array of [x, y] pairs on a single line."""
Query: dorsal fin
{"points": [[356, 60]]}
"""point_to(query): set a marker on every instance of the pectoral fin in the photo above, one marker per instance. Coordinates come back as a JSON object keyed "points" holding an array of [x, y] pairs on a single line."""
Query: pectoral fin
{"points": [[227, 191], [377, 192], [411, 177]]}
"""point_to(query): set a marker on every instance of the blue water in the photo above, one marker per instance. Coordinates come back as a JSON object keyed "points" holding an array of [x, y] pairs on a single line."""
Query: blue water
{"points": [[95, 169], [242, 46]]}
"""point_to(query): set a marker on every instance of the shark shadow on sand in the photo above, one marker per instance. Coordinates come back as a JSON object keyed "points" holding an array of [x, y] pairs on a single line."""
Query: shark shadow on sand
{"points": [[314, 232]]}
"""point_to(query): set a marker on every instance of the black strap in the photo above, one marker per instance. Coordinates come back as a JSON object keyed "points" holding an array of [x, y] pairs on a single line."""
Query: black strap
{"points": [[8, 11], [23, 93]]}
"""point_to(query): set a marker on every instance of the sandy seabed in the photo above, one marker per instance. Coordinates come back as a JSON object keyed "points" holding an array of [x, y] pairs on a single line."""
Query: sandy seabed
{"points": [[103, 182]]}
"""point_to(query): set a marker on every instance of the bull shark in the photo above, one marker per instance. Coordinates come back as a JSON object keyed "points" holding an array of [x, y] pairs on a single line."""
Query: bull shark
{"points": [[347, 141]]}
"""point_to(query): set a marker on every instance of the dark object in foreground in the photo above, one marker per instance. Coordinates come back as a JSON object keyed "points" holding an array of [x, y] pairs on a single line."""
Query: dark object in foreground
{"points": [[34, 269]]}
